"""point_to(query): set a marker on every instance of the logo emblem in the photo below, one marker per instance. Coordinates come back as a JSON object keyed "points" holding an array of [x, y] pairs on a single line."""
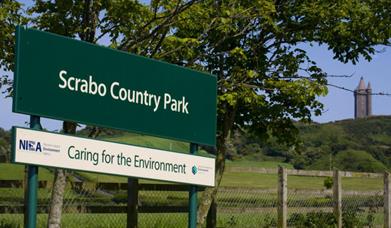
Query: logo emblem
{"points": [[194, 170], [29, 145]]}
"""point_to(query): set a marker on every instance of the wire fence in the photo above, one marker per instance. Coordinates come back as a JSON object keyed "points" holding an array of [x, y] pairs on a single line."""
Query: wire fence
{"points": [[310, 208], [363, 208], [246, 207], [310, 202]]}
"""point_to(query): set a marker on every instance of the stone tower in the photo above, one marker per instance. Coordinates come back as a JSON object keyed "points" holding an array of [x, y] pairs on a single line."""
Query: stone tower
{"points": [[362, 100]]}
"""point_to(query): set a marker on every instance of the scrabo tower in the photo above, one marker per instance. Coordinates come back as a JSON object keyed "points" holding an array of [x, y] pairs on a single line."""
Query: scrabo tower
{"points": [[362, 100]]}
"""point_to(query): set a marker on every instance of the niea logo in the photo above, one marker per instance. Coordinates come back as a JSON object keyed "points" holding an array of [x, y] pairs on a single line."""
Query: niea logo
{"points": [[29, 145]]}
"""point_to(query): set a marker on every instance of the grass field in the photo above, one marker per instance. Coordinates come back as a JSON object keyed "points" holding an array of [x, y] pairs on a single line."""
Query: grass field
{"points": [[16, 172], [153, 142], [161, 220], [235, 179]]}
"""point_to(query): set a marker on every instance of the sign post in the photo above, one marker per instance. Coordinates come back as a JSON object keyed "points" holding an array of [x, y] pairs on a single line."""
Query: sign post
{"points": [[32, 182], [193, 193], [132, 210]]}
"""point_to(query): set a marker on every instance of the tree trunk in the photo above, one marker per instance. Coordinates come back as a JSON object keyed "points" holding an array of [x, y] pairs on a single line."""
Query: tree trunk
{"points": [[57, 199], [56, 202], [210, 193]]}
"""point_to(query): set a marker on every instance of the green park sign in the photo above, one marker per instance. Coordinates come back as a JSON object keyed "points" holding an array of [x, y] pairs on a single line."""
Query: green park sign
{"points": [[62, 78]]}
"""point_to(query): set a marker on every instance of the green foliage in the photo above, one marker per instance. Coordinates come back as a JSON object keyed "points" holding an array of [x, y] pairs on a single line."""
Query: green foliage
{"points": [[5, 145], [358, 161], [299, 162], [8, 224], [355, 145], [328, 182], [313, 219], [10, 16], [350, 217]]}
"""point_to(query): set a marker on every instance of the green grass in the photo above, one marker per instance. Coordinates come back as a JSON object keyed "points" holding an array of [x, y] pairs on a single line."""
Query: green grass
{"points": [[265, 181], [362, 184], [150, 141], [259, 164], [95, 177], [154, 142], [235, 179], [256, 180], [158, 220], [230, 179], [16, 172], [102, 220]]}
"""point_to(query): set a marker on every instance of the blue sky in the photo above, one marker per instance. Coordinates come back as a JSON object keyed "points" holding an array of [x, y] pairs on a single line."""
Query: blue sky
{"points": [[339, 103]]}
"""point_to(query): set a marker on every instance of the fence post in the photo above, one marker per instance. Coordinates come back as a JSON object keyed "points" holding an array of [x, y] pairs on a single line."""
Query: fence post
{"points": [[337, 197], [387, 219], [282, 197], [211, 218], [132, 217]]}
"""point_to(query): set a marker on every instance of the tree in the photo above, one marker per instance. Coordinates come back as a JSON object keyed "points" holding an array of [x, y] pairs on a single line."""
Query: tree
{"points": [[10, 15], [265, 79]]}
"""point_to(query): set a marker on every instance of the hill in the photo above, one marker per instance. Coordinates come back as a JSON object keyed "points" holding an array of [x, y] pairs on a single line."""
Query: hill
{"points": [[356, 145]]}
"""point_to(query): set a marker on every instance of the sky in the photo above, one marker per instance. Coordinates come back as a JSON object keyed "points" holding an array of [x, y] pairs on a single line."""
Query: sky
{"points": [[339, 103]]}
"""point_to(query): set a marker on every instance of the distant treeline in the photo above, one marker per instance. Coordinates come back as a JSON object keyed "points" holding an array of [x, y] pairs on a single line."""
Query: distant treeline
{"points": [[5, 145]]}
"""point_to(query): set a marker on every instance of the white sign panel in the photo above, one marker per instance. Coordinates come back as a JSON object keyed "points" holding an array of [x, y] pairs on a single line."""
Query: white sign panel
{"points": [[70, 152]]}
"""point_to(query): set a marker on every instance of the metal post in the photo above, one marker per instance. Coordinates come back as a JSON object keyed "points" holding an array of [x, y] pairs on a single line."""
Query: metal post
{"points": [[193, 194], [132, 216], [32, 183]]}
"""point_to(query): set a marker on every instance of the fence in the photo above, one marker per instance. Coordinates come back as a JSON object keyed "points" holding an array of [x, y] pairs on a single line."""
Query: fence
{"points": [[353, 199], [99, 204], [292, 198]]}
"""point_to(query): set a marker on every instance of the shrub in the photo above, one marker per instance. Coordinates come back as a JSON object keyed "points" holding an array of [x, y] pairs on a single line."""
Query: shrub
{"points": [[328, 182], [312, 220]]}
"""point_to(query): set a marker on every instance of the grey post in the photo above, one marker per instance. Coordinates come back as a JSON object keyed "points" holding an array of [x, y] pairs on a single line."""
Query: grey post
{"points": [[132, 217], [387, 220], [282, 197], [337, 197]]}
